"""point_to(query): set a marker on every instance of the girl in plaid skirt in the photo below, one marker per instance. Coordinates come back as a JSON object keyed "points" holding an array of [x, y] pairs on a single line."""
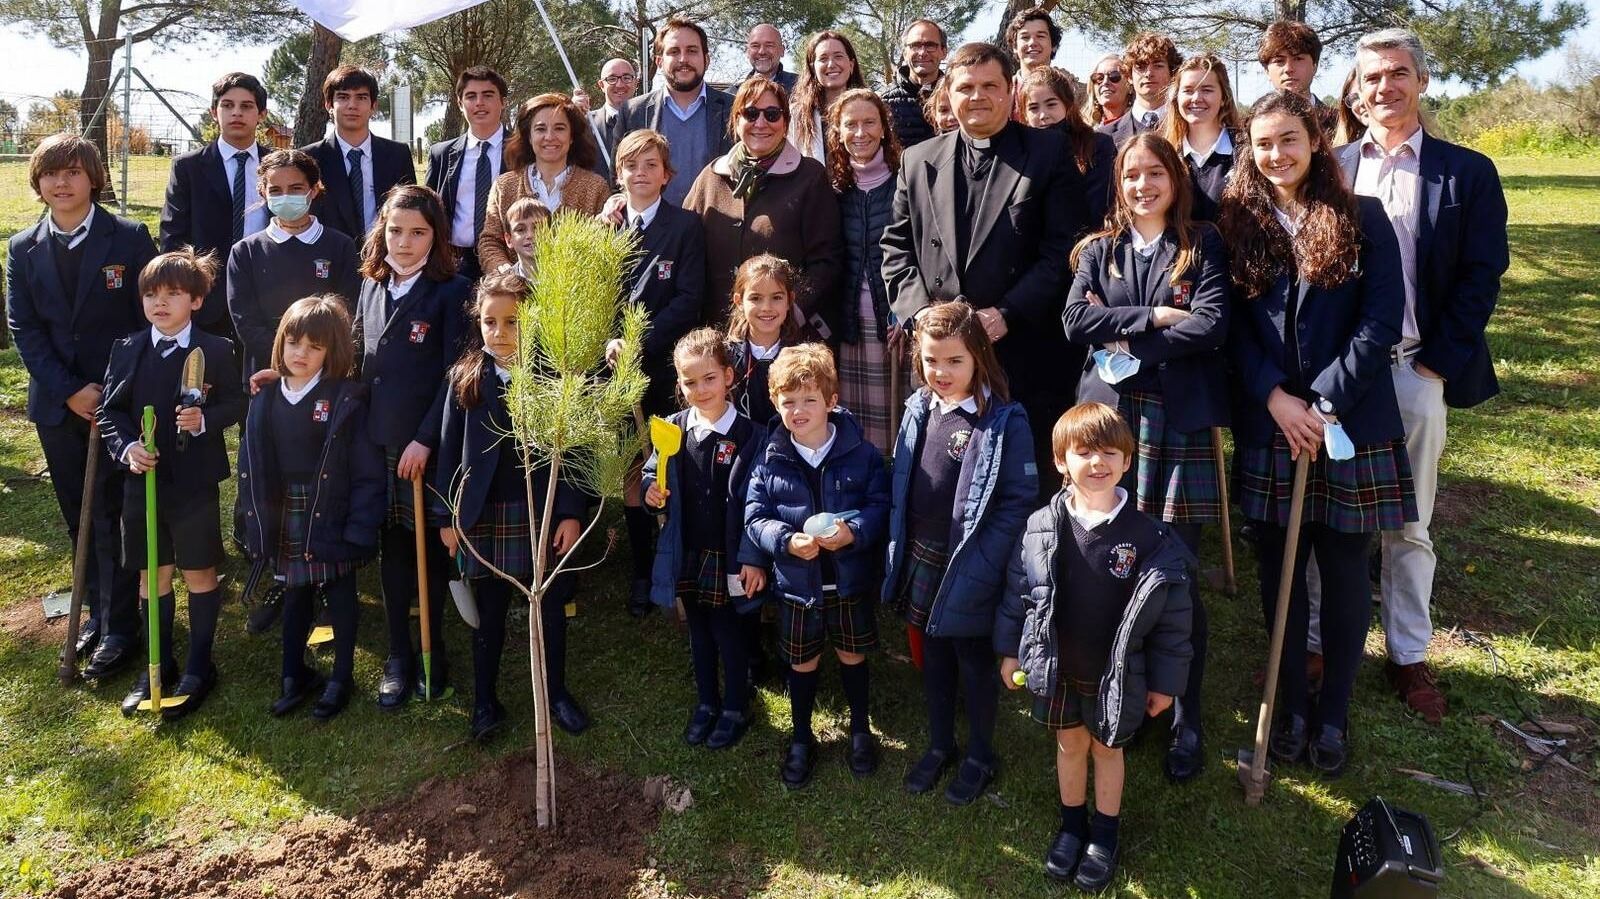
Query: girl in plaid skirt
{"points": [[1151, 295], [311, 485], [962, 487], [1318, 271], [481, 477], [703, 556]]}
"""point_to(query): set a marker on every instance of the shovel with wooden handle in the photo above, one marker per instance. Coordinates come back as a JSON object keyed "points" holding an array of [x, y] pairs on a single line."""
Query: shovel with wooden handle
{"points": [[422, 591], [1230, 584], [68, 672]]}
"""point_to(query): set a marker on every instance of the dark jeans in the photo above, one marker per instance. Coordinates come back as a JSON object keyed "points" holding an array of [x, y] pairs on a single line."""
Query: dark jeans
{"points": [[969, 662], [718, 634], [398, 570], [1186, 709], [112, 590]]}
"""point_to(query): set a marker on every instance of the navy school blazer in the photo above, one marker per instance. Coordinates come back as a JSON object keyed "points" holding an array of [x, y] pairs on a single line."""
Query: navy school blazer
{"points": [[1344, 334], [404, 358], [334, 207], [1186, 357], [65, 342], [199, 212], [205, 461], [443, 176], [669, 280], [1462, 251]]}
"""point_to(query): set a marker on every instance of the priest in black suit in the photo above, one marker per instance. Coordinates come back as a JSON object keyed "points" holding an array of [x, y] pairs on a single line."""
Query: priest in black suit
{"points": [[358, 167]]}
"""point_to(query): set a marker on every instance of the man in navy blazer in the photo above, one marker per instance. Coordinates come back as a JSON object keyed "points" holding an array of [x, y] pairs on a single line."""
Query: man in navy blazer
{"points": [[73, 280], [212, 202], [1449, 214], [456, 167], [358, 167]]}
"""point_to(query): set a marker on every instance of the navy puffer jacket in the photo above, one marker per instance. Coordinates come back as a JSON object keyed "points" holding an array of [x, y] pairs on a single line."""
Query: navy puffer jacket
{"points": [[863, 214]]}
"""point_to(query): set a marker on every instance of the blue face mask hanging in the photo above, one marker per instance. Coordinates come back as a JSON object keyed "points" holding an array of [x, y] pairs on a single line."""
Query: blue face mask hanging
{"points": [[1335, 441], [1115, 366]]}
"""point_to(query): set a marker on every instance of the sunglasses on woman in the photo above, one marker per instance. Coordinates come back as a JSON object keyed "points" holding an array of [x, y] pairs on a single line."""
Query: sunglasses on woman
{"points": [[772, 114], [1113, 77]]}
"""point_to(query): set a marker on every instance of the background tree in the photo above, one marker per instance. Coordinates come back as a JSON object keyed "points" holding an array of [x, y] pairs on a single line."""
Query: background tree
{"points": [[294, 73], [875, 27]]}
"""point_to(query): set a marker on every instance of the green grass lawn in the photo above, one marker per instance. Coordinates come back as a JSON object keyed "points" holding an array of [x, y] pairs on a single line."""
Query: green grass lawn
{"points": [[1519, 541]]}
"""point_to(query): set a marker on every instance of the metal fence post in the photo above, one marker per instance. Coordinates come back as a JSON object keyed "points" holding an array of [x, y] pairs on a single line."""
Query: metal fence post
{"points": [[127, 119]]}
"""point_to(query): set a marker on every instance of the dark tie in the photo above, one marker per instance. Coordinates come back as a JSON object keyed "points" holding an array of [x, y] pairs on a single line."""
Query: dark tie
{"points": [[238, 194], [638, 226], [390, 303], [166, 346], [483, 179], [65, 238], [358, 191], [1149, 121]]}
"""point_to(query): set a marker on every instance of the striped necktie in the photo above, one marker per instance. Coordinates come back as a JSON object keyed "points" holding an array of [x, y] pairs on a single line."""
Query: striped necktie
{"points": [[238, 194]]}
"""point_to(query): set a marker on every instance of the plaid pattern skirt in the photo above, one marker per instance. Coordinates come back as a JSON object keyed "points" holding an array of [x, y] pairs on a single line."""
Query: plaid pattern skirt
{"points": [[925, 566], [864, 385], [1174, 475], [706, 579], [847, 622], [399, 492], [501, 536], [1370, 492], [297, 570], [1073, 703]]}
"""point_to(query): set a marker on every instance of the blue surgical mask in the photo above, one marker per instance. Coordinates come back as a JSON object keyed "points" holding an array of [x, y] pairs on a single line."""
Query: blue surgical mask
{"points": [[1115, 366], [289, 207], [1336, 442]]}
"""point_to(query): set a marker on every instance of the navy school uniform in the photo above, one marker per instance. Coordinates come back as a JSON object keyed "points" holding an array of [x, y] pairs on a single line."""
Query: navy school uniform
{"points": [[198, 212], [1209, 176], [406, 345], [270, 270], [477, 459], [336, 207], [750, 367], [311, 501], [447, 160], [669, 280], [66, 308], [703, 543]]}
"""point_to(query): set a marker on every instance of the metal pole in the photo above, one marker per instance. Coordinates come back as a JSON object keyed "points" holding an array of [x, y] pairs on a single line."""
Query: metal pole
{"points": [[561, 51], [127, 118]]}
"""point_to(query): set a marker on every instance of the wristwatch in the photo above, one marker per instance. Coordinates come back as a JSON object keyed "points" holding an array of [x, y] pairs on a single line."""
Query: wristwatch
{"points": [[1325, 405]]}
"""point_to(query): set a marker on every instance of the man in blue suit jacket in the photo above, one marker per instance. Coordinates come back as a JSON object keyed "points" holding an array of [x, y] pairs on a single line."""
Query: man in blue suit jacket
{"points": [[73, 280], [456, 167], [358, 167], [1449, 214]]}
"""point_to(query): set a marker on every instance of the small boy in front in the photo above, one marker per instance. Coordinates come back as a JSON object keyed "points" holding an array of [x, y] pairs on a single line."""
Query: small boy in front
{"points": [[827, 580], [191, 459], [523, 221], [1096, 615]]}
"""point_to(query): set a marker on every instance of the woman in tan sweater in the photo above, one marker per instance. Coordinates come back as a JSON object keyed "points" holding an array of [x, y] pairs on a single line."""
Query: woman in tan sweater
{"points": [[548, 157]]}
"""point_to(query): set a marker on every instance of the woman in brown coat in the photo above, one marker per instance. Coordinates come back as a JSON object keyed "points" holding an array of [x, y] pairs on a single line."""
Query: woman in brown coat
{"points": [[764, 197], [548, 157]]}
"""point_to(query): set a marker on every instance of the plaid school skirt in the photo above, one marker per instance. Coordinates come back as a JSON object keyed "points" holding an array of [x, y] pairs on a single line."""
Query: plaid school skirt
{"points": [[849, 623], [1370, 492], [292, 563], [1174, 475], [1073, 703], [706, 579], [925, 567], [399, 492], [501, 536], [864, 385]]}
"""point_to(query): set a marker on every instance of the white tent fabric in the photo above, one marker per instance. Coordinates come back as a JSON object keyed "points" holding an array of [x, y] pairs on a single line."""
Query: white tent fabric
{"points": [[357, 19]]}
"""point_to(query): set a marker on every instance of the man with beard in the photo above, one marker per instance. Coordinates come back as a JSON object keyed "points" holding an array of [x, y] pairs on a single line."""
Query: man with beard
{"points": [[764, 49], [692, 116], [924, 48]]}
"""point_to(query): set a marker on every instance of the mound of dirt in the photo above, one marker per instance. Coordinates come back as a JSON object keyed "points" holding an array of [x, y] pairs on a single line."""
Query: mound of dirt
{"points": [[451, 839]]}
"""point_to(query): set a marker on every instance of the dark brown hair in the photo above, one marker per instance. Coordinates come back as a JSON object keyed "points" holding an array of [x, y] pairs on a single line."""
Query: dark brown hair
{"points": [[750, 91], [701, 343], [323, 319], [466, 373], [183, 268], [1174, 128], [749, 272], [840, 171], [1289, 38], [441, 262], [808, 91], [519, 148], [289, 159], [63, 151], [1080, 137], [1148, 47], [239, 79], [957, 319], [1032, 13], [348, 78], [976, 54], [1119, 219], [1325, 249], [1090, 426], [480, 73], [673, 23]]}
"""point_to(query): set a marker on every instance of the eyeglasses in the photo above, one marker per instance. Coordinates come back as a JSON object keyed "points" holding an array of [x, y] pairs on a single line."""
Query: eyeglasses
{"points": [[923, 46], [619, 79], [1112, 77], [772, 114]]}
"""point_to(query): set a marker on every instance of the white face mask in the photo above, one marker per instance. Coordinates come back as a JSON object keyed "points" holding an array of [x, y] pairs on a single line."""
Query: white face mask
{"points": [[289, 207], [1336, 441], [401, 274], [1115, 366]]}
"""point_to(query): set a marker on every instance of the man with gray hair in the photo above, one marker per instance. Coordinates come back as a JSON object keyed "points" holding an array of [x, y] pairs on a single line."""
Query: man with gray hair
{"points": [[1449, 213], [764, 49]]}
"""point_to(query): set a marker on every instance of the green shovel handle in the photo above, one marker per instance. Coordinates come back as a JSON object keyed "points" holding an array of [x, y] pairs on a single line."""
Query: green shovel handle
{"points": [[152, 568]]}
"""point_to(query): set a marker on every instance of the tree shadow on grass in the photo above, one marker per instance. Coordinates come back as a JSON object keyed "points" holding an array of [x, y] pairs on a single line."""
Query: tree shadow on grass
{"points": [[1512, 183]]}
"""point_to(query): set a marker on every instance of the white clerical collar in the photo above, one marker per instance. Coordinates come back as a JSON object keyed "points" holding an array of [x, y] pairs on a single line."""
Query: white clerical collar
{"points": [[295, 396], [1223, 146], [646, 215], [308, 235], [814, 457], [1089, 519], [399, 288], [183, 336], [345, 147], [722, 425], [979, 143], [81, 228], [765, 353]]}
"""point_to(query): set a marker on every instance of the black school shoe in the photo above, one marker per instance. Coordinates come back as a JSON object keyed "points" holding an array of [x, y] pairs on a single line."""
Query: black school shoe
{"points": [[1061, 862], [335, 696], [639, 597], [1287, 743], [701, 720], [799, 763], [972, 778], [88, 639], [1096, 868], [929, 770], [394, 688], [441, 679], [141, 688], [112, 655], [196, 688], [294, 691], [487, 720], [1330, 751], [1185, 755], [266, 610], [863, 757], [729, 730], [569, 716]]}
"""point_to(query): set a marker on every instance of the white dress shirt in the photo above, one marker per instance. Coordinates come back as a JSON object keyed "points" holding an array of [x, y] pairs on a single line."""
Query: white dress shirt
{"points": [[461, 231], [696, 424], [399, 288], [814, 457], [685, 114], [647, 215], [369, 203], [549, 196], [256, 214], [1089, 519], [1223, 146], [295, 396], [82, 235]]}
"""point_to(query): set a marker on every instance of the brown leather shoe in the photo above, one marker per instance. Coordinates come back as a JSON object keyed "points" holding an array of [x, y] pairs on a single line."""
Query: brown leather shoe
{"points": [[1419, 689]]}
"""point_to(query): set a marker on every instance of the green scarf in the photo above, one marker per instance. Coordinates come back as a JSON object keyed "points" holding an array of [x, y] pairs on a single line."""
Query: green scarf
{"points": [[749, 171]]}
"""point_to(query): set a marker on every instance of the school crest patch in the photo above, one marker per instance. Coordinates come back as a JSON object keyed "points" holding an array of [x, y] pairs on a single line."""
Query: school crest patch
{"points": [[957, 447], [419, 331], [1181, 293], [663, 269], [113, 275], [323, 268], [320, 411], [726, 450], [1120, 560]]}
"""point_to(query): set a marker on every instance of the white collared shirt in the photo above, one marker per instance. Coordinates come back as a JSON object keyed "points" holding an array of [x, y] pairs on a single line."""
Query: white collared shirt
{"points": [[1089, 519], [501, 372], [1138, 110], [1223, 146], [684, 114], [369, 203], [1395, 179], [968, 405], [295, 396], [82, 235], [461, 230], [647, 215], [549, 196], [1289, 223], [814, 457], [765, 353], [1140, 245], [399, 288], [306, 236], [256, 214], [697, 423], [184, 337]]}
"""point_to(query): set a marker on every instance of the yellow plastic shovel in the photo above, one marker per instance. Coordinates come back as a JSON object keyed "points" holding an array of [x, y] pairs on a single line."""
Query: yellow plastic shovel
{"points": [[667, 438]]}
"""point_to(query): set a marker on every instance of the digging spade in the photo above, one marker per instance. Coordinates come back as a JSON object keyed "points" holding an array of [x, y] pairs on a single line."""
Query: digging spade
{"points": [[68, 672], [152, 574], [422, 592], [667, 438]]}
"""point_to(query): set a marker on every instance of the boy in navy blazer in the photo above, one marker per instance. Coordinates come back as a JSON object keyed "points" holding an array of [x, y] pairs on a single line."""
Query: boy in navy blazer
{"points": [[358, 167], [461, 170], [191, 458], [211, 198], [73, 283], [1449, 216]]}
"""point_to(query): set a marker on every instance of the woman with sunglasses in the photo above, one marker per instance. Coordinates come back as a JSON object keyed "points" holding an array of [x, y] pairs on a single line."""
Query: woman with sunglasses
{"points": [[763, 196], [1110, 93]]}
